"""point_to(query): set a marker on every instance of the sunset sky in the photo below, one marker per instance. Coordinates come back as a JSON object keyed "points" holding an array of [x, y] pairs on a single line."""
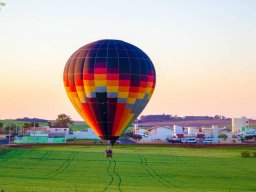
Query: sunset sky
{"points": [[204, 52]]}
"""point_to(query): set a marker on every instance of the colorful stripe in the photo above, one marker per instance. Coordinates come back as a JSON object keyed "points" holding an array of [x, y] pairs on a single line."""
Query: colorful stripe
{"points": [[109, 82]]}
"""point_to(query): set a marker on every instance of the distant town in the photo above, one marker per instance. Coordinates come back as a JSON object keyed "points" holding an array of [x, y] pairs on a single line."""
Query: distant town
{"points": [[147, 129]]}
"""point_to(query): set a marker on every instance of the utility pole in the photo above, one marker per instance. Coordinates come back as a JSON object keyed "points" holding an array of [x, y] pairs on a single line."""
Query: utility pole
{"points": [[9, 132], [17, 129], [34, 132]]}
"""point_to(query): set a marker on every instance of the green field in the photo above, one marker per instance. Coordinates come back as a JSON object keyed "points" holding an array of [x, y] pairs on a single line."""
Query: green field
{"points": [[18, 123], [79, 127], [132, 168], [74, 127]]}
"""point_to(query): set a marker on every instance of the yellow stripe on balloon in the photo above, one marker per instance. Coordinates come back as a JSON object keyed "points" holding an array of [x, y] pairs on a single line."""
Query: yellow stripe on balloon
{"points": [[123, 94], [112, 88], [131, 100], [140, 95], [100, 83], [89, 89]]}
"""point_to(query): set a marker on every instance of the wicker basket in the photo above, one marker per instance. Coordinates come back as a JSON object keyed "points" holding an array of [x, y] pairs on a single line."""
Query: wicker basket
{"points": [[108, 153]]}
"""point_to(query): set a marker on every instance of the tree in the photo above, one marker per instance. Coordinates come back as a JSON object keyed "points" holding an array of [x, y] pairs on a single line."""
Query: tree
{"points": [[49, 123], [26, 125], [63, 120], [224, 136], [1, 127], [11, 129], [32, 124], [217, 117], [130, 134]]}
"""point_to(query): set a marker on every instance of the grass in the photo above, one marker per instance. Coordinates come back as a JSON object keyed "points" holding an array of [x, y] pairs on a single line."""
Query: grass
{"points": [[132, 168], [78, 127], [18, 123], [75, 127]]}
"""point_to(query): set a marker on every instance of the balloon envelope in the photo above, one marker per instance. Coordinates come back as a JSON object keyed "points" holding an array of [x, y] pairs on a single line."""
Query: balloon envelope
{"points": [[109, 82]]}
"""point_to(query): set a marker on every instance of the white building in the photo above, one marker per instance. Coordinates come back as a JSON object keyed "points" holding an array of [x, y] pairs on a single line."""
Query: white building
{"points": [[160, 133], [208, 132], [58, 130], [86, 134], [178, 129], [3, 136], [215, 131], [238, 124], [192, 131], [211, 132], [141, 132]]}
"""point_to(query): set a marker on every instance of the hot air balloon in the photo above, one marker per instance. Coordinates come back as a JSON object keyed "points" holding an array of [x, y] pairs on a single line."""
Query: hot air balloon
{"points": [[109, 82]]}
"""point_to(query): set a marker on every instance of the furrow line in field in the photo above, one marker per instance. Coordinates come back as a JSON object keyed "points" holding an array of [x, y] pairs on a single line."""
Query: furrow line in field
{"points": [[43, 156], [48, 155], [63, 166], [167, 183], [11, 154], [71, 158], [118, 176], [152, 173], [145, 168], [7, 154], [110, 175]]}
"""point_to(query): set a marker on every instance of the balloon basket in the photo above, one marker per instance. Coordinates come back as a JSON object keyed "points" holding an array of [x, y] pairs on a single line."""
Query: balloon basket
{"points": [[108, 153]]}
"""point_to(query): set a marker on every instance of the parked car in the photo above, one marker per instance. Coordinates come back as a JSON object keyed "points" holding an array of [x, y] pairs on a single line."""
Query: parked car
{"points": [[191, 140], [183, 140], [173, 140], [208, 140]]}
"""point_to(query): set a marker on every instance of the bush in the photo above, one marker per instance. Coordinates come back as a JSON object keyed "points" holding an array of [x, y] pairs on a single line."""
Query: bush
{"points": [[223, 136], [254, 154], [245, 154]]}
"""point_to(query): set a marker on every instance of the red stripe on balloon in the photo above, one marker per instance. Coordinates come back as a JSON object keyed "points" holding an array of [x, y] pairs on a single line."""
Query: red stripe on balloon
{"points": [[120, 107], [134, 89], [72, 88], [79, 83], [124, 82], [88, 112], [100, 70], [112, 76], [88, 76], [143, 84]]}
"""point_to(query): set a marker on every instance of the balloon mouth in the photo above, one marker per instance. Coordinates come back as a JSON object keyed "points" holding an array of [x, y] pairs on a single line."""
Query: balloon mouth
{"points": [[112, 139]]}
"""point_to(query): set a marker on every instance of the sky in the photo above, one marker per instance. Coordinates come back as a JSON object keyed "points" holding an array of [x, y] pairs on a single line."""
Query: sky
{"points": [[203, 52]]}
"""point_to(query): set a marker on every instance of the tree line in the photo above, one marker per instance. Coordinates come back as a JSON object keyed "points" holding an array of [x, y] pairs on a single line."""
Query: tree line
{"points": [[62, 120]]}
